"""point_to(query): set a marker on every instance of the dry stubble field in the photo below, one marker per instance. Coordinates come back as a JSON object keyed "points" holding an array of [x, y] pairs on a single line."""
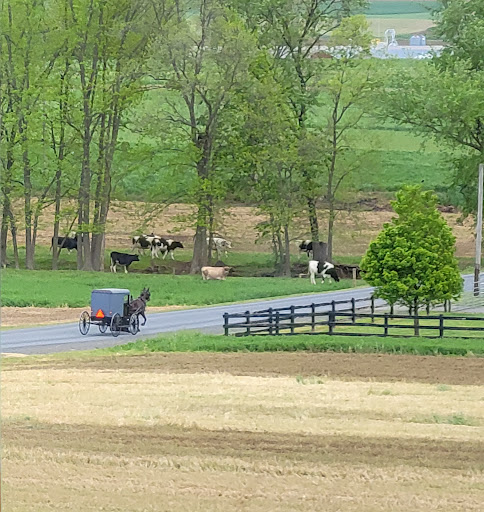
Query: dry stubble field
{"points": [[254, 432]]}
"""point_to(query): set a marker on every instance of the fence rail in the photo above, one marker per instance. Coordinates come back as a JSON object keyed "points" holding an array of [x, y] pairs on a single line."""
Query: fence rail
{"points": [[345, 318]]}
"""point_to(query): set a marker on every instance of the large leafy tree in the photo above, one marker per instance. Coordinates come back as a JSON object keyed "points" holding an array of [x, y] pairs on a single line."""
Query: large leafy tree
{"points": [[444, 98], [412, 261], [346, 82], [292, 30], [205, 52]]}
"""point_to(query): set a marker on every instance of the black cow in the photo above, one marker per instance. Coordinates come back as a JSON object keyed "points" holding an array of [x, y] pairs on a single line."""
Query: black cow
{"points": [[122, 259], [168, 246], [65, 242], [306, 246]]}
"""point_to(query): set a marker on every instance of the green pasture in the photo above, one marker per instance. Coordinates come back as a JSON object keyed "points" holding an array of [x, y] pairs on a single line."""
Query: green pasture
{"points": [[400, 7], [44, 288], [246, 264], [195, 342]]}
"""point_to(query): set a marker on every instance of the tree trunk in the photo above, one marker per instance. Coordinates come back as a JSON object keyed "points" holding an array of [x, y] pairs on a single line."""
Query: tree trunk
{"points": [[60, 158], [83, 242], [3, 238], [331, 220], [13, 231], [320, 251], [200, 252], [286, 270], [29, 246], [416, 325], [313, 218], [200, 248]]}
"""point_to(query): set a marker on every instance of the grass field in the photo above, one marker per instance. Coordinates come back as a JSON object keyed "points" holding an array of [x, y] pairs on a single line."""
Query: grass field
{"points": [[231, 432], [72, 288]]}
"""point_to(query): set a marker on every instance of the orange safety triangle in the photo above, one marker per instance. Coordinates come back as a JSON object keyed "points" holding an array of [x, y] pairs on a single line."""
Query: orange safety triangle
{"points": [[99, 313]]}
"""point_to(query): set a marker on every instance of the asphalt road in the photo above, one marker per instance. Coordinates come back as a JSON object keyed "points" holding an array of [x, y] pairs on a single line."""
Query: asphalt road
{"points": [[66, 337]]}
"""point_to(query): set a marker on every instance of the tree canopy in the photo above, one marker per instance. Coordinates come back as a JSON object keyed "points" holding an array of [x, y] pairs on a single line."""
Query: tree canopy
{"points": [[412, 261]]}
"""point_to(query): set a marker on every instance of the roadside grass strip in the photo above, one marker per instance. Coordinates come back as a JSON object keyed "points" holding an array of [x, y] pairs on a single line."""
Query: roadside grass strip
{"points": [[196, 342]]}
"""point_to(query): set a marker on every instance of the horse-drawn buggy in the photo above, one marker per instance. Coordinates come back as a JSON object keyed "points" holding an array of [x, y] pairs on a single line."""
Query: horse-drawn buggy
{"points": [[116, 309]]}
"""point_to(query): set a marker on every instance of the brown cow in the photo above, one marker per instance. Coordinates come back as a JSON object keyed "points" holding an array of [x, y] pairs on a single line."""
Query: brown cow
{"points": [[219, 273]]}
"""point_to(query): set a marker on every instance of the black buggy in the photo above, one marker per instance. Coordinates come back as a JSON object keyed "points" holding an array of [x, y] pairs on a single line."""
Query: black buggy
{"points": [[110, 307]]}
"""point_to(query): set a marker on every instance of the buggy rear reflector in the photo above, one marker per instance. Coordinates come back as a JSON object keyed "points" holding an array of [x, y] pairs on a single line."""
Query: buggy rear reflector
{"points": [[99, 313]]}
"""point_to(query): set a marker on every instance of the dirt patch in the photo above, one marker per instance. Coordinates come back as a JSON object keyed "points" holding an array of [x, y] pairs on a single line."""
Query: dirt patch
{"points": [[356, 226], [30, 316], [367, 367]]}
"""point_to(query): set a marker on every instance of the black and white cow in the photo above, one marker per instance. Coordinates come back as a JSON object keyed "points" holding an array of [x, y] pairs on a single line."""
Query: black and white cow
{"points": [[122, 259], [142, 243], [325, 268], [306, 246], [65, 242], [220, 245], [167, 246]]}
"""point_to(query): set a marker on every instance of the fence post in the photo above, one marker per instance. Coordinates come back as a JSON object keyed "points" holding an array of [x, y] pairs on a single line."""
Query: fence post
{"points": [[353, 310], [441, 326], [331, 321], [271, 312], [385, 325], [292, 319], [247, 321], [277, 323], [372, 308], [353, 271], [226, 324], [313, 317]]}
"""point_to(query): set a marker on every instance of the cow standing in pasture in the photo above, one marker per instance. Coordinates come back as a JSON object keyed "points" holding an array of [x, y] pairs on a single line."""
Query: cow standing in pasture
{"points": [[168, 246], [216, 273], [122, 259], [220, 245], [65, 242], [325, 268]]}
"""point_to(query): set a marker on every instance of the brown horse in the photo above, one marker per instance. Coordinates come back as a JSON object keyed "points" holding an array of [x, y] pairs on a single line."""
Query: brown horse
{"points": [[138, 306]]}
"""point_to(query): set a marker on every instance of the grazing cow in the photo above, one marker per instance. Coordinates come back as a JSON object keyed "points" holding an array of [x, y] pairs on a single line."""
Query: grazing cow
{"points": [[325, 268], [65, 242], [218, 273], [220, 245], [306, 246], [167, 246], [122, 259]]}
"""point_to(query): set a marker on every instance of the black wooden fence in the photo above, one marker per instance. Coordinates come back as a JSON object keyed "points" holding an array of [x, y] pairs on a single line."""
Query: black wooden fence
{"points": [[344, 317]]}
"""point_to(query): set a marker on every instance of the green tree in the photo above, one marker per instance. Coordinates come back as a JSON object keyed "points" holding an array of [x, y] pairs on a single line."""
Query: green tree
{"points": [[205, 53], [444, 98], [262, 148], [412, 262], [346, 82], [292, 30]]}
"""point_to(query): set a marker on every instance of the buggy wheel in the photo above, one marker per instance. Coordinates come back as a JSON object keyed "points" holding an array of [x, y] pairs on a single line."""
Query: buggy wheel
{"points": [[116, 324], [133, 325], [103, 327], [84, 322]]}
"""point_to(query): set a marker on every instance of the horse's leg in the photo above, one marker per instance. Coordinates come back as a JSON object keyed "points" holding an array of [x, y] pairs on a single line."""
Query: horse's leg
{"points": [[144, 318]]}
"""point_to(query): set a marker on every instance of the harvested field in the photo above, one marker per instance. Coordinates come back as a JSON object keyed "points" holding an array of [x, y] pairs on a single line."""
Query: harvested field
{"points": [[285, 432]]}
